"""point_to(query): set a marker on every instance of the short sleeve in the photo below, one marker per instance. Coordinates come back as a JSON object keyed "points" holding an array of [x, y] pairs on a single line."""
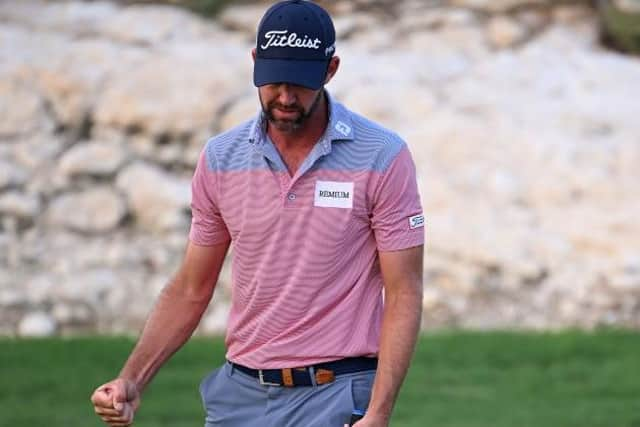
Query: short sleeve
{"points": [[397, 219], [207, 225]]}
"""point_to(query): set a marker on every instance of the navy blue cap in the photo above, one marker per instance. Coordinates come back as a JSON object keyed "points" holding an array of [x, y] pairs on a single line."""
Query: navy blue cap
{"points": [[296, 40]]}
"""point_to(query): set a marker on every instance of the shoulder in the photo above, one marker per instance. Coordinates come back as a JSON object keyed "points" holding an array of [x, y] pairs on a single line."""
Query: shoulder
{"points": [[220, 150], [382, 144]]}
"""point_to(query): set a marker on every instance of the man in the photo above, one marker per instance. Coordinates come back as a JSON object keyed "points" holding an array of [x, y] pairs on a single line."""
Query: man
{"points": [[322, 208]]}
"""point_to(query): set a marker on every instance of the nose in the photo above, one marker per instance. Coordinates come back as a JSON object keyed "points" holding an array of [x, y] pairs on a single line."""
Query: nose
{"points": [[286, 94]]}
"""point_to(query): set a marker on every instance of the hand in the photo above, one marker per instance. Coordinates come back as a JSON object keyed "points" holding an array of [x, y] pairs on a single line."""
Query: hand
{"points": [[116, 402], [370, 420]]}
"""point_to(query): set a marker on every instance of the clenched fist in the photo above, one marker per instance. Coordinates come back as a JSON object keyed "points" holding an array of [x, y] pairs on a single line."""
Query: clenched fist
{"points": [[116, 402]]}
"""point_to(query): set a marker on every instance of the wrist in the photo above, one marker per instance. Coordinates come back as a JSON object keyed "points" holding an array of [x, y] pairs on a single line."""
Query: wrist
{"points": [[132, 380], [376, 419], [380, 416]]}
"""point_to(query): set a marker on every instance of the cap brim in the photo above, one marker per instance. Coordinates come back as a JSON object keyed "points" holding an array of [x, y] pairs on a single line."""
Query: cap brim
{"points": [[309, 74]]}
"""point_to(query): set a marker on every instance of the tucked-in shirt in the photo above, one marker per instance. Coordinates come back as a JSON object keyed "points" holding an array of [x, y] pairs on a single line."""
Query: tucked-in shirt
{"points": [[306, 280]]}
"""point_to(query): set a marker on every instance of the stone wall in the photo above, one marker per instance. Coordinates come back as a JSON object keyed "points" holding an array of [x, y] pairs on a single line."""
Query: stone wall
{"points": [[525, 133]]}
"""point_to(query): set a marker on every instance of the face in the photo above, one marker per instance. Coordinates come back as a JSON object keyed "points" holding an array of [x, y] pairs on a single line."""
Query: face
{"points": [[289, 107]]}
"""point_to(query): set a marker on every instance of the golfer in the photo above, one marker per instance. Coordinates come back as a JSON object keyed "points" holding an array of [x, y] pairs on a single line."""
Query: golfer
{"points": [[322, 210]]}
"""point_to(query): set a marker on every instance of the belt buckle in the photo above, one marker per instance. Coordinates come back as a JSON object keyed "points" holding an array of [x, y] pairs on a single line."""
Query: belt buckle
{"points": [[266, 383]]}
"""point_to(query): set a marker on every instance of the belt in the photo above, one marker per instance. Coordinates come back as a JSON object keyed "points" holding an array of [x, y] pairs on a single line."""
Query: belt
{"points": [[322, 373]]}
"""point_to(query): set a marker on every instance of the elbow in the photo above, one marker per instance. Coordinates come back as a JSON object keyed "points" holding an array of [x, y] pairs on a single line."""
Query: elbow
{"points": [[408, 295], [188, 290]]}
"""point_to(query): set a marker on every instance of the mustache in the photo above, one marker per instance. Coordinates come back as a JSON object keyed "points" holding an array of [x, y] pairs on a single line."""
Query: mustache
{"points": [[288, 108]]}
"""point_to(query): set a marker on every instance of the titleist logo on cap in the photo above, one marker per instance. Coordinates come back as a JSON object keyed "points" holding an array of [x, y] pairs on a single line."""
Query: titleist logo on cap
{"points": [[282, 38]]}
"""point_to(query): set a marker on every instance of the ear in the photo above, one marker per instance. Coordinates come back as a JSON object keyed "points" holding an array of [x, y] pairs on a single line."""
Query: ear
{"points": [[253, 54], [334, 64]]}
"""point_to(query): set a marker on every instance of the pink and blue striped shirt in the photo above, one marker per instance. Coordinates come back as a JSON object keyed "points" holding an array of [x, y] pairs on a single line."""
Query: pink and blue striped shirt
{"points": [[307, 286]]}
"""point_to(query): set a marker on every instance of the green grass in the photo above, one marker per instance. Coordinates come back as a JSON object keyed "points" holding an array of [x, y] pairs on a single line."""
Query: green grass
{"points": [[458, 379], [622, 29]]}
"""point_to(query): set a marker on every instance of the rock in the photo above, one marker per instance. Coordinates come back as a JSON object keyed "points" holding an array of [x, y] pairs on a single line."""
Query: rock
{"points": [[47, 183], [191, 153], [241, 110], [143, 146], [504, 32], [504, 183], [74, 17], [497, 6], [169, 154], [95, 158], [571, 14], [68, 97], [225, 278], [70, 87], [39, 287], [72, 313], [28, 50], [37, 324], [435, 19], [96, 92], [534, 20], [365, 100], [150, 25], [20, 205], [158, 200], [243, 18], [215, 322], [37, 152], [348, 25], [185, 99], [97, 210], [339, 8], [22, 110], [91, 286], [12, 297], [451, 43], [11, 175]]}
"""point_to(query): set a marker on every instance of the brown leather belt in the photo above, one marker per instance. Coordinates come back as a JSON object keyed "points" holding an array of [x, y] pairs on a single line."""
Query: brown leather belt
{"points": [[322, 373]]}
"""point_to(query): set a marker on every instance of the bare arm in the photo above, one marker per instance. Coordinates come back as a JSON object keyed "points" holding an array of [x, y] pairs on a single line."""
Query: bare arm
{"points": [[402, 275], [177, 312], [173, 319]]}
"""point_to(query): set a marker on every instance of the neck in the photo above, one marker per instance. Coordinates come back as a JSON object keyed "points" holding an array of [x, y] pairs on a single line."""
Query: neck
{"points": [[308, 134]]}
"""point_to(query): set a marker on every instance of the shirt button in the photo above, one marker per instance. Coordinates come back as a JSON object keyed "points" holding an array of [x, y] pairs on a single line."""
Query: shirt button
{"points": [[291, 197]]}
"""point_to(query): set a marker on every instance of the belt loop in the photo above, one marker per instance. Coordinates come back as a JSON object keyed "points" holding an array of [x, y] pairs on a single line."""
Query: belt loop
{"points": [[312, 374], [233, 368]]}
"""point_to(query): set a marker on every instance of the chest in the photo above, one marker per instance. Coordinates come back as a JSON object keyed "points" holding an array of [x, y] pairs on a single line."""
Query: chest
{"points": [[258, 204], [293, 160]]}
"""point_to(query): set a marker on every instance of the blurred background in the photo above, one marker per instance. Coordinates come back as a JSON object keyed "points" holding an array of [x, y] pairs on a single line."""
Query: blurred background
{"points": [[523, 117]]}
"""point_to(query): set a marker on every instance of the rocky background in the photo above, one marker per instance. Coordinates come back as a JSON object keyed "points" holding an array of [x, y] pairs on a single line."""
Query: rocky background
{"points": [[525, 131]]}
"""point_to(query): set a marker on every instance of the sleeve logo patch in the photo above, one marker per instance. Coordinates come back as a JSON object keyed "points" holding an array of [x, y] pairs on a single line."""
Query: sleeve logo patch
{"points": [[416, 221]]}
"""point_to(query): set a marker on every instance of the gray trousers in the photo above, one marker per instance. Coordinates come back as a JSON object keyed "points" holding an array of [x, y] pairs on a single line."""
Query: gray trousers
{"points": [[233, 399]]}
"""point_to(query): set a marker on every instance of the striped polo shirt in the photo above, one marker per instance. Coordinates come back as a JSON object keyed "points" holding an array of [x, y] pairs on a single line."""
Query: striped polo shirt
{"points": [[307, 286]]}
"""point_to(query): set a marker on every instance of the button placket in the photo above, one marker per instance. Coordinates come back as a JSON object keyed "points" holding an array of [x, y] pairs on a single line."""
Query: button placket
{"points": [[291, 182], [285, 190]]}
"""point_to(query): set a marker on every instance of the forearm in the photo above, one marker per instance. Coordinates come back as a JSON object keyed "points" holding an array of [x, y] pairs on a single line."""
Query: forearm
{"points": [[172, 321], [400, 328]]}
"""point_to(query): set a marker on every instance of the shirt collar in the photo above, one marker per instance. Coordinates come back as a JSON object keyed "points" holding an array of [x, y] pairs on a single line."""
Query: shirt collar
{"points": [[339, 128]]}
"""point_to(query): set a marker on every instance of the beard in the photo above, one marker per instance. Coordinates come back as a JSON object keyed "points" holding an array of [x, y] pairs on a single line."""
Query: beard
{"points": [[290, 125]]}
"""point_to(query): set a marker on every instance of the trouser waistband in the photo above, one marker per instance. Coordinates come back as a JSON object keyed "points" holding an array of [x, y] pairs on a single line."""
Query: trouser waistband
{"points": [[319, 374]]}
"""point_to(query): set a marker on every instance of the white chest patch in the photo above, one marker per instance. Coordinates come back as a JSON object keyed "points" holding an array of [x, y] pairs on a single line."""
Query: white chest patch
{"points": [[331, 194]]}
